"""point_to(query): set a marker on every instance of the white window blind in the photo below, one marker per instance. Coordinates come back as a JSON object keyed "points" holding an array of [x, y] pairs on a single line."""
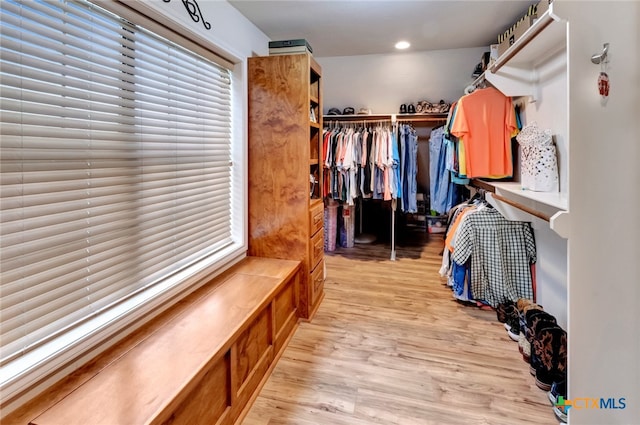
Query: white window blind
{"points": [[115, 167]]}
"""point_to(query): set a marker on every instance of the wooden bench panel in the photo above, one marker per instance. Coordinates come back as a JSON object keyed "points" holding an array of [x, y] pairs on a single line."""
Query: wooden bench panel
{"points": [[285, 312], [252, 345], [210, 400], [270, 267], [215, 353]]}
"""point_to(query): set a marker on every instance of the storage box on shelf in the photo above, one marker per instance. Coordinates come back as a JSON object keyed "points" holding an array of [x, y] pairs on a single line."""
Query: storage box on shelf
{"points": [[288, 47], [514, 33], [517, 33]]}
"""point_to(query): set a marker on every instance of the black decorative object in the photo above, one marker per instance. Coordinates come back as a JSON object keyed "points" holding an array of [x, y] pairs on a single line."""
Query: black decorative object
{"points": [[194, 11]]}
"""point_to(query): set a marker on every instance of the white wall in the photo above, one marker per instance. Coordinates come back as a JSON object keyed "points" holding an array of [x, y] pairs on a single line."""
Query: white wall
{"points": [[604, 254], [231, 34], [383, 82], [549, 111]]}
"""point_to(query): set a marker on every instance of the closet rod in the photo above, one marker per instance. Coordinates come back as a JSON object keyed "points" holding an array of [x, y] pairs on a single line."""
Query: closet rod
{"points": [[479, 184], [388, 117], [524, 208]]}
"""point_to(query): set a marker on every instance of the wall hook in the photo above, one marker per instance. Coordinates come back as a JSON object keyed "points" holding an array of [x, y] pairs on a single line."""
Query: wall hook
{"points": [[602, 57]]}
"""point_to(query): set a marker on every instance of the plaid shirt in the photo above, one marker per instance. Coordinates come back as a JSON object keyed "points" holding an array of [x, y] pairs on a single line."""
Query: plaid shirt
{"points": [[501, 252]]}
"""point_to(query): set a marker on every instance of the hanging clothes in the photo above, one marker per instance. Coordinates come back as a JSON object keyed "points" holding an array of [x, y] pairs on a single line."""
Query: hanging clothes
{"points": [[443, 193], [362, 162], [488, 258], [485, 122], [501, 254], [409, 146]]}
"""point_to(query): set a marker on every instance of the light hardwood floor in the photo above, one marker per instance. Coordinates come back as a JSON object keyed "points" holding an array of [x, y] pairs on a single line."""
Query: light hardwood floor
{"points": [[389, 345]]}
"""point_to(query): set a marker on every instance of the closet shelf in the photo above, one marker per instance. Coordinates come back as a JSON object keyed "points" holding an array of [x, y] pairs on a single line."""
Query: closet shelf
{"points": [[522, 205], [555, 200], [314, 99], [314, 124], [514, 72], [387, 117], [551, 202]]}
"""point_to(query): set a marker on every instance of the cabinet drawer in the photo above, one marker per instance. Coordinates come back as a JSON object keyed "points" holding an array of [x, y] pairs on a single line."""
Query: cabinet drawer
{"points": [[316, 218], [317, 282], [316, 248]]}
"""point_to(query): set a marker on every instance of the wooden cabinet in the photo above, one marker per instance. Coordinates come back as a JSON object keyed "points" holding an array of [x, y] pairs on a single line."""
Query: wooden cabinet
{"points": [[285, 169]]}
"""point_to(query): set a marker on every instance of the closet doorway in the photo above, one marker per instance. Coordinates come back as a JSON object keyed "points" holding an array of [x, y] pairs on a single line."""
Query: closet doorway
{"points": [[359, 187]]}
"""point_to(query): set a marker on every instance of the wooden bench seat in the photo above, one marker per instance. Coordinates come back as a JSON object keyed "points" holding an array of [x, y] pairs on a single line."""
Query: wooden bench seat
{"points": [[204, 365]]}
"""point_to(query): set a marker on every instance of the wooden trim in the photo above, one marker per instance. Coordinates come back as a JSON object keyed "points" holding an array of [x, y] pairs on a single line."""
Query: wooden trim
{"points": [[431, 118], [524, 208]]}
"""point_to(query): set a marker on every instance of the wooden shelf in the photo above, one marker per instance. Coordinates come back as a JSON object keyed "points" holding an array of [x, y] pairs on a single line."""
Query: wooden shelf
{"points": [[314, 124], [388, 117]]}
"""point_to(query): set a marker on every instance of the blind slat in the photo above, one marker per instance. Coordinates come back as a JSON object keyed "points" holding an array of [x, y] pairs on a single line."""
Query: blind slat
{"points": [[116, 166]]}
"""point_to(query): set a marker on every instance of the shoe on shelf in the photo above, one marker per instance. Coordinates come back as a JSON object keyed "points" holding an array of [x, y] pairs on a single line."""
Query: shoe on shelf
{"points": [[411, 109], [403, 108], [443, 107]]}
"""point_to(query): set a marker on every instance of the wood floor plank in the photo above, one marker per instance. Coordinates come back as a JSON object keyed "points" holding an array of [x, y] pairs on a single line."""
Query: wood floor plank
{"points": [[389, 345]]}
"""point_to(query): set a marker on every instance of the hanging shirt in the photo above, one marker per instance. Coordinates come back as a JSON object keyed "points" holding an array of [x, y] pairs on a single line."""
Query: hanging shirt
{"points": [[485, 121], [501, 253]]}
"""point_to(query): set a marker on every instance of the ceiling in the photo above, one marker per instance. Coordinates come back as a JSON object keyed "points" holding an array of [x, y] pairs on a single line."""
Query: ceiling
{"points": [[357, 27]]}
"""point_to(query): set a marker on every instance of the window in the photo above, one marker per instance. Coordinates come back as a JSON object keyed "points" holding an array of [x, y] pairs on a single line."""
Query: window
{"points": [[117, 178]]}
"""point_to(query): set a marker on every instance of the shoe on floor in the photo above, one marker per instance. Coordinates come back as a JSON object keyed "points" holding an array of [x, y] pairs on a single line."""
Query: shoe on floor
{"points": [[524, 347], [502, 310], [537, 319], [558, 388], [550, 347], [513, 329], [560, 413]]}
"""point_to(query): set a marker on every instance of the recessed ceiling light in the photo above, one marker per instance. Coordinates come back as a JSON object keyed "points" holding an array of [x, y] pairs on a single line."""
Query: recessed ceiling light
{"points": [[401, 45]]}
